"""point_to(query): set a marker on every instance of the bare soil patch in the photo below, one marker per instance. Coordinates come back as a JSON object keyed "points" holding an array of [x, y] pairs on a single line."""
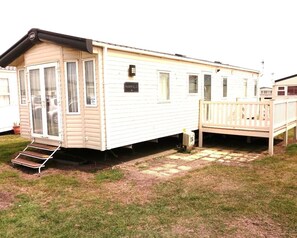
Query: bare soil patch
{"points": [[264, 227], [6, 200]]}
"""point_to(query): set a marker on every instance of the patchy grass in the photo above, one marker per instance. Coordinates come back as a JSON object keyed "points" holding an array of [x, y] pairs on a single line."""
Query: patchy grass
{"points": [[109, 175], [10, 144], [291, 149], [258, 200]]}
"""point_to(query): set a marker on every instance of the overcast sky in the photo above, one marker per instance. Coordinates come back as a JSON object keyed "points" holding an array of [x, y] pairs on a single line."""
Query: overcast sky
{"points": [[238, 32]]}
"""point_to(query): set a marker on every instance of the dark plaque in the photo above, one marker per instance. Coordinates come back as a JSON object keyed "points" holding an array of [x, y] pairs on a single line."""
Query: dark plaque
{"points": [[130, 87]]}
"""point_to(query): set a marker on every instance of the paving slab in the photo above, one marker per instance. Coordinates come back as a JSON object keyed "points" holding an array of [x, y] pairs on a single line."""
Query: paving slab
{"points": [[173, 163]]}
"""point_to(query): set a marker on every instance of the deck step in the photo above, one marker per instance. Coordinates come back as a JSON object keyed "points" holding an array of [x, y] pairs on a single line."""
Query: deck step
{"points": [[27, 163], [35, 155], [42, 146]]}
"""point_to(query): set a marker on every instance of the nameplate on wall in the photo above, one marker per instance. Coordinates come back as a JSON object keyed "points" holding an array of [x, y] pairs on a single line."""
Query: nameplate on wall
{"points": [[131, 87]]}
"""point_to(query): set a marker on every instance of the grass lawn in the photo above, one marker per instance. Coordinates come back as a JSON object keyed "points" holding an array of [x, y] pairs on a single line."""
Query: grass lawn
{"points": [[256, 200]]}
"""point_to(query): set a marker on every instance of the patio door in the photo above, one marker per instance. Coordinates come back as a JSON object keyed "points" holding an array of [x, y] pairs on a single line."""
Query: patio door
{"points": [[45, 113]]}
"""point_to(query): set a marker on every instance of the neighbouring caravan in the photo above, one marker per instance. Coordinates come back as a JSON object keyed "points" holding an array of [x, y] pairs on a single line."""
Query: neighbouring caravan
{"points": [[81, 93], [285, 87], [265, 93], [9, 112]]}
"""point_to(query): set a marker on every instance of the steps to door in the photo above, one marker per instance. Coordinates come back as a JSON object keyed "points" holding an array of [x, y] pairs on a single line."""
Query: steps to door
{"points": [[35, 155]]}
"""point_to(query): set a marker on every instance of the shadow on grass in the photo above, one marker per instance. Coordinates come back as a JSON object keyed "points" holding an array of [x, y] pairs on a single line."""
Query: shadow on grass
{"points": [[89, 160]]}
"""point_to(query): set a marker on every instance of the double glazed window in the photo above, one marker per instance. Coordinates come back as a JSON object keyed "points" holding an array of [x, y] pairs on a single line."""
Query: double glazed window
{"points": [[225, 87], [72, 87], [164, 86], [245, 84], [281, 91], [89, 76], [4, 92], [292, 90], [22, 86], [255, 88], [193, 83]]}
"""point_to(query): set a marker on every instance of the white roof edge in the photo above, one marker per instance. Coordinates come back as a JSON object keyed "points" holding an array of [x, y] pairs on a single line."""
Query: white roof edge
{"points": [[8, 68], [169, 56]]}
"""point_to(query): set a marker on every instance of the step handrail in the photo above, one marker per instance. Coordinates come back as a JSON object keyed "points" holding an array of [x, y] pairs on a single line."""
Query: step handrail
{"points": [[49, 157]]}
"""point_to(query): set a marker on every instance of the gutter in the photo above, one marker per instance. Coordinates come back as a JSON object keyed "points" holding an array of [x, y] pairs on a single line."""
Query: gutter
{"points": [[169, 56]]}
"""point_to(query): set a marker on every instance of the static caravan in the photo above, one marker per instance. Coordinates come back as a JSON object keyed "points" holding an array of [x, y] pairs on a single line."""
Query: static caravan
{"points": [[285, 87], [9, 112], [265, 93], [79, 93]]}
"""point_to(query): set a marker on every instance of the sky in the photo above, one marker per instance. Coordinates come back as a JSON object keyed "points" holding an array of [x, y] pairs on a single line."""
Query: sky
{"points": [[238, 32]]}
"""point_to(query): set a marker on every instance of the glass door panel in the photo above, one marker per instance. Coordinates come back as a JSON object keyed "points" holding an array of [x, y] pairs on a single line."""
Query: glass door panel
{"points": [[36, 101], [51, 101], [44, 101]]}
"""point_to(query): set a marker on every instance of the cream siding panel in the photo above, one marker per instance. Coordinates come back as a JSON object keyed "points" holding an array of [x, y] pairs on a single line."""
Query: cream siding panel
{"points": [[290, 81], [82, 130], [25, 121], [235, 88], [136, 117], [42, 53]]}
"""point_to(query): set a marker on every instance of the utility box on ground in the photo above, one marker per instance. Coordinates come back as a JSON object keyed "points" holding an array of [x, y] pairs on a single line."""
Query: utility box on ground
{"points": [[188, 139]]}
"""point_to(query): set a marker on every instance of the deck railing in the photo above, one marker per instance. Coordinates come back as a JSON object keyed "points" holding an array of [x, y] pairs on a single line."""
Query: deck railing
{"points": [[235, 114], [284, 113], [259, 119]]}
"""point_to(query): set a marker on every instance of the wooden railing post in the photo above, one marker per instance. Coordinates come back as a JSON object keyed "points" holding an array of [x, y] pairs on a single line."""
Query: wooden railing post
{"points": [[295, 129], [271, 128], [286, 132]]}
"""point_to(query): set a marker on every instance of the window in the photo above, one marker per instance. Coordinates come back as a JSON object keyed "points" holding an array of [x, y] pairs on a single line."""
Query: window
{"points": [[164, 87], [245, 87], [72, 87], [225, 87], [281, 91], [207, 87], [193, 83], [4, 92], [292, 90], [256, 88], [90, 90], [22, 86]]}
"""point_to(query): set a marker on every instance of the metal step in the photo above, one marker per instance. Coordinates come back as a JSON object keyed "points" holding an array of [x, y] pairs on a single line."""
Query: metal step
{"points": [[35, 155], [27, 163], [42, 146], [28, 158]]}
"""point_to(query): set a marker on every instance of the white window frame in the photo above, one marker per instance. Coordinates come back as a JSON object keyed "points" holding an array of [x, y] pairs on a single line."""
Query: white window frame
{"points": [[8, 94], [25, 87], [282, 89], [197, 86], [223, 79], [255, 87], [85, 86], [160, 100], [77, 88], [245, 88]]}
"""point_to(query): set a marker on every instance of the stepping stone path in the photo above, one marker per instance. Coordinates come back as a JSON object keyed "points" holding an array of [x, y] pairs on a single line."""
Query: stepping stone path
{"points": [[173, 164]]}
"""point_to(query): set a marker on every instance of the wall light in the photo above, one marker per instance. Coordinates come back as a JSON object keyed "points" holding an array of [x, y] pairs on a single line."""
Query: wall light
{"points": [[132, 70]]}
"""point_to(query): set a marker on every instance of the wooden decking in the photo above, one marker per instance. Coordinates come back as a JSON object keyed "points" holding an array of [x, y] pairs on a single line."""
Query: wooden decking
{"points": [[256, 119]]}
